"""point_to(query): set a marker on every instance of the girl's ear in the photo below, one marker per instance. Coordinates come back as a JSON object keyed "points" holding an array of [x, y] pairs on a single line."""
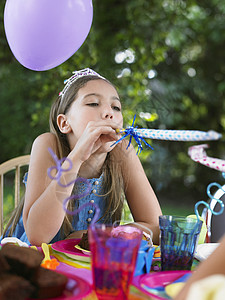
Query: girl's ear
{"points": [[63, 124]]}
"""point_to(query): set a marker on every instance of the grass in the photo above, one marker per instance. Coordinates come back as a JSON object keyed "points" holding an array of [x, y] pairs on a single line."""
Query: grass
{"points": [[175, 209]]}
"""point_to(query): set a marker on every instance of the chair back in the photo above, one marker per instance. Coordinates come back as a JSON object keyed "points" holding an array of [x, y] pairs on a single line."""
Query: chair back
{"points": [[14, 164]]}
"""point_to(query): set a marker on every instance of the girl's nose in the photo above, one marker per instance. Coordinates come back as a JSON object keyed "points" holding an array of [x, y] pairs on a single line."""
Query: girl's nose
{"points": [[107, 114]]}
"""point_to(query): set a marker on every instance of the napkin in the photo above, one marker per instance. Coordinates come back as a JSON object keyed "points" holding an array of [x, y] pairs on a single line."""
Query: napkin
{"points": [[144, 258]]}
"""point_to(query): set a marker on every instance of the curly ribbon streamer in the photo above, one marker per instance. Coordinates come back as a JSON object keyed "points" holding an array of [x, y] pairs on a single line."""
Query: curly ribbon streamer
{"points": [[215, 184], [57, 177], [170, 135], [209, 205], [198, 154], [59, 169]]}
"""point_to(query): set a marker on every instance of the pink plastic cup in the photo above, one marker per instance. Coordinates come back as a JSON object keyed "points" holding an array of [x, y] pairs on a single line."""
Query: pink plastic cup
{"points": [[113, 257]]}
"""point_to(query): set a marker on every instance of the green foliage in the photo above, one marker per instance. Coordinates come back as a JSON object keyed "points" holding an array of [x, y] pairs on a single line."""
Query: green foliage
{"points": [[8, 206], [126, 215], [165, 56], [9, 192]]}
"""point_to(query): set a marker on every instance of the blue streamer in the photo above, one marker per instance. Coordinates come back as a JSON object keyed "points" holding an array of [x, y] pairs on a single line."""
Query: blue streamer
{"points": [[130, 132]]}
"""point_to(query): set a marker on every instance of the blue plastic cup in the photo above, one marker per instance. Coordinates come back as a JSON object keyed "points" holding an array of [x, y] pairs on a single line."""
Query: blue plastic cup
{"points": [[178, 239]]}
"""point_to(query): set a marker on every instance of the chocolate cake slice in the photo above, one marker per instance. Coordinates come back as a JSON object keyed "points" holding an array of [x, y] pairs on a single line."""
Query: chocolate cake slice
{"points": [[22, 261], [22, 277], [4, 266], [49, 284], [14, 287], [84, 242]]}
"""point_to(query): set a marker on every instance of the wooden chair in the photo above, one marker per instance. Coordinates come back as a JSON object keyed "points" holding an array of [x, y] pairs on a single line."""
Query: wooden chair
{"points": [[14, 164]]}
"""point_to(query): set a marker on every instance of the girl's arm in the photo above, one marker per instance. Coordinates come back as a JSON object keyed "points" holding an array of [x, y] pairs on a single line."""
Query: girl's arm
{"points": [[214, 264], [140, 196]]}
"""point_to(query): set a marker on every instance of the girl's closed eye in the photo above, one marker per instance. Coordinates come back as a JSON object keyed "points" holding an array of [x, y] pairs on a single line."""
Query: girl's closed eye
{"points": [[92, 104], [116, 108]]}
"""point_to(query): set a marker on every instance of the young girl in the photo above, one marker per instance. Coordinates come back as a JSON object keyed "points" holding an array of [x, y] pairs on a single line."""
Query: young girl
{"points": [[83, 123]]}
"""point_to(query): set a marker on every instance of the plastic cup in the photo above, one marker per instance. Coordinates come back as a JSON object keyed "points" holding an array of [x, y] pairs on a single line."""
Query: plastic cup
{"points": [[113, 259], [178, 239]]}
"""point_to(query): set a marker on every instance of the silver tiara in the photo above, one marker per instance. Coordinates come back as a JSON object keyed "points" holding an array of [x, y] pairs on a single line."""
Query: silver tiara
{"points": [[76, 75]]}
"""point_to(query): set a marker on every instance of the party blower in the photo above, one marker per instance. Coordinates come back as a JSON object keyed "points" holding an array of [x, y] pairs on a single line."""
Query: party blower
{"points": [[140, 134]]}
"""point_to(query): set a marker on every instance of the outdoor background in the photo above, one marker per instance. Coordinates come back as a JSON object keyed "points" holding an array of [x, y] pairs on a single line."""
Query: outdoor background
{"points": [[167, 58]]}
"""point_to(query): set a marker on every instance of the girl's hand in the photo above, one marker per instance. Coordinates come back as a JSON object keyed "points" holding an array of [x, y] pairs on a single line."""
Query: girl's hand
{"points": [[96, 138]]}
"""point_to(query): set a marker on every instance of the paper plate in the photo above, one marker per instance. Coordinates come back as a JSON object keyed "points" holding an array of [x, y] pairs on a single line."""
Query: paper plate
{"points": [[68, 248], [76, 288], [154, 284], [204, 250]]}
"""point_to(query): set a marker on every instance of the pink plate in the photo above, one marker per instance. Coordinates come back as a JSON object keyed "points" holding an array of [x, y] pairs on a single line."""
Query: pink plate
{"points": [[76, 288], [153, 284], [68, 247]]}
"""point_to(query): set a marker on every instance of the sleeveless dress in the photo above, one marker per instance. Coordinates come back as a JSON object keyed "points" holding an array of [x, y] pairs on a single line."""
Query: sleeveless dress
{"points": [[82, 220]]}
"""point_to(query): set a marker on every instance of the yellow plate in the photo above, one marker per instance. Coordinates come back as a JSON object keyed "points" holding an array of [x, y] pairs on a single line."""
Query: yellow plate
{"points": [[83, 250]]}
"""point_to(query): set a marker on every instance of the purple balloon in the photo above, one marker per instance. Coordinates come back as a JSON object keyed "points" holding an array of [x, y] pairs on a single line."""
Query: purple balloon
{"points": [[42, 34]]}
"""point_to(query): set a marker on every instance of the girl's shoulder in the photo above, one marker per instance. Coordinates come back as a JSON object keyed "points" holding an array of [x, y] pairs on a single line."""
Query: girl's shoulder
{"points": [[42, 144], [47, 136], [46, 139]]}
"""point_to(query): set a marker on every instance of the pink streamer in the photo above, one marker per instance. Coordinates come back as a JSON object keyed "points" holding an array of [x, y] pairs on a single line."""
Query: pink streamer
{"points": [[198, 154]]}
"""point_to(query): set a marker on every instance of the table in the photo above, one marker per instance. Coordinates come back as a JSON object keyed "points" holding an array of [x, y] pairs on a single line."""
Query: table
{"points": [[83, 270]]}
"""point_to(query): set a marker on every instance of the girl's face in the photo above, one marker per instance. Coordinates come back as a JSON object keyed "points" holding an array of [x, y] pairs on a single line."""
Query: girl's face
{"points": [[98, 100]]}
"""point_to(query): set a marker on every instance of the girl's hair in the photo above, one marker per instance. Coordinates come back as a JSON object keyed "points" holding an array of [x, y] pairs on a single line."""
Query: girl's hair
{"points": [[112, 169], [14, 219]]}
